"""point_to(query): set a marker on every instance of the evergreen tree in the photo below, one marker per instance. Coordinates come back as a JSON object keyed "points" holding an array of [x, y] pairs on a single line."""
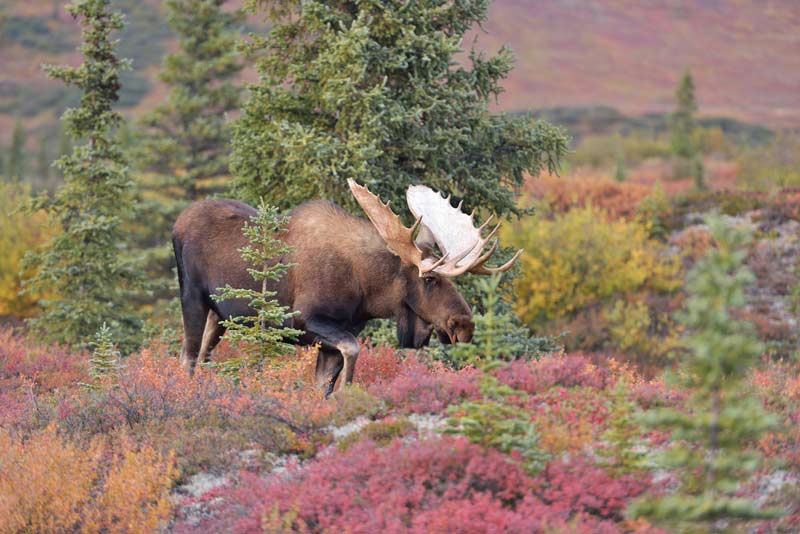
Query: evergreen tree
{"points": [[687, 159], [714, 440], [184, 148], [698, 173], [81, 270], [16, 152], [370, 91], [262, 337], [682, 119], [105, 360], [185, 145], [499, 334]]}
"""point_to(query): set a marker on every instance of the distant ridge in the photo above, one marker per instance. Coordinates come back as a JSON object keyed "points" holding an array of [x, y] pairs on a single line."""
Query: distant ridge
{"points": [[744, 54]]}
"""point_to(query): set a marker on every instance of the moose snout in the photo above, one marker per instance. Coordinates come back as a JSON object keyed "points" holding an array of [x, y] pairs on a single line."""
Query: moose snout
{"points": [[459, 329]]}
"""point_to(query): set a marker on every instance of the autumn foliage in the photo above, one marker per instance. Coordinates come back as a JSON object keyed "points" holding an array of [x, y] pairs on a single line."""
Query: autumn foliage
{"points": [[97, 486]]}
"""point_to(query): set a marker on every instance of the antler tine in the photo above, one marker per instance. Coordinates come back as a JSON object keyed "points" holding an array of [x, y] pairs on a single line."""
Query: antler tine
{"points": [[493, 232], [486, 223], [436, 264], [480, 269]]}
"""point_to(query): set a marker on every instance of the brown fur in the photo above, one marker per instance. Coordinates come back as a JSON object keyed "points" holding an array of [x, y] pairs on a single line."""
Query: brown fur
{"points": [[344, 276]]}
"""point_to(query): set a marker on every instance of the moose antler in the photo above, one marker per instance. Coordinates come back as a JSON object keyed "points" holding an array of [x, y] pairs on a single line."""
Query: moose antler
{"points": [[455, 233], [398, 238]]}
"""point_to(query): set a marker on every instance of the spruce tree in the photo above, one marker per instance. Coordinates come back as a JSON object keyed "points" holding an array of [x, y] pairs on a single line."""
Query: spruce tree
{"points": [[714, 438], [686, 156], [371, 91], [82, 270], [183, 154], [105, 360], [16, 152], [264, 336], [499, 334], [185, 146], [682, 119]]}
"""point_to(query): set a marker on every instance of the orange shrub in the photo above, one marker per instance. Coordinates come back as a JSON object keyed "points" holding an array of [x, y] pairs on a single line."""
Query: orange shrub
{"points": [[49, 484], [694, 242], [619, 200]]}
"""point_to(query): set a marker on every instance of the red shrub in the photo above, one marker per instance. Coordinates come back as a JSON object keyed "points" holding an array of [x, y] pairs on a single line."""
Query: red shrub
{"points": [[575, 488], [555, 370], [49, 367], [655, 393], [377, 364], [569, 420], [445, 485], [422, 389]]}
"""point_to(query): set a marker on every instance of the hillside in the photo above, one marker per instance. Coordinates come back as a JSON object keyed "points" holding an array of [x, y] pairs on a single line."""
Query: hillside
{"points": [[744, 55], [630, 55]]}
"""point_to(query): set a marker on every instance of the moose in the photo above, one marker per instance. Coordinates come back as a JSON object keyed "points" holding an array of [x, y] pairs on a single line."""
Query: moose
{"points": [[347, 270]]}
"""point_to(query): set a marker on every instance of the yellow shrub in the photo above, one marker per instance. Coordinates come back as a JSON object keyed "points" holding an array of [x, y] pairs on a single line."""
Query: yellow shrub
{"points": [[20, 233], [579, 258], [48, 484], [605, 281]]}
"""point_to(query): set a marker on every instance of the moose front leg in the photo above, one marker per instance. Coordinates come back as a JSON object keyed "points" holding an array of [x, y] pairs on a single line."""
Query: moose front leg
{"points": [[333, 339]]}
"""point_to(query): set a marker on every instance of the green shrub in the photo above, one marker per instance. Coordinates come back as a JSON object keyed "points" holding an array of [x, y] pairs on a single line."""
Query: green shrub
{"points": [[494, 421]]}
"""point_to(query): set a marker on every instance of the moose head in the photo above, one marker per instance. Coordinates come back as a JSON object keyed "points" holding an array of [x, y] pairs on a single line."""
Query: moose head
{"points": [[432, 300]]}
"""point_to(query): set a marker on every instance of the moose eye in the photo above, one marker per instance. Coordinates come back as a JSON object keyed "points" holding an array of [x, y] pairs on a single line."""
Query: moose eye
{"points": [[429, 281]]}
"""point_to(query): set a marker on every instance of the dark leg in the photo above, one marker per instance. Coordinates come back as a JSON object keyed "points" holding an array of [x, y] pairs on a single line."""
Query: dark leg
{"points": [[333, 339], [329, 365], [212, 333], [195, 313]]}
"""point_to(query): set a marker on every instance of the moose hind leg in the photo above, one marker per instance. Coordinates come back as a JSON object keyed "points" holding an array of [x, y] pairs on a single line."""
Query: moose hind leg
{"points": [[195, 314], [212, 333]]}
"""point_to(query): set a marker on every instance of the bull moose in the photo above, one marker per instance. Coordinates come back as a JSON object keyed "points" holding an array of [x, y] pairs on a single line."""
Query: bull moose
{"points": [[348, 270]]}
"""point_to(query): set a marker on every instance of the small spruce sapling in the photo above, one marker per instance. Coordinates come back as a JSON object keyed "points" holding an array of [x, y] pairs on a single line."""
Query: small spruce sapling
{"points": [[105, 360], [263, 336], [714, 437], [496, 421], [622, 455]]}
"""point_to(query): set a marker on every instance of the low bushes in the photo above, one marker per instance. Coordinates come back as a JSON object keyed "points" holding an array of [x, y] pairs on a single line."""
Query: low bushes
{"points": [[100, 486], [437, 485]]}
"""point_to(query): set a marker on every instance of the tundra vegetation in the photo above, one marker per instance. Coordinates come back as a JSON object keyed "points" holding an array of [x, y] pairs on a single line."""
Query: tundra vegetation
{"points": [[637, 372]]}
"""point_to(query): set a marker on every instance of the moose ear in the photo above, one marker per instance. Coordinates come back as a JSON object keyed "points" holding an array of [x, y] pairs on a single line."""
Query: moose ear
{"points": [[425, 241]]}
